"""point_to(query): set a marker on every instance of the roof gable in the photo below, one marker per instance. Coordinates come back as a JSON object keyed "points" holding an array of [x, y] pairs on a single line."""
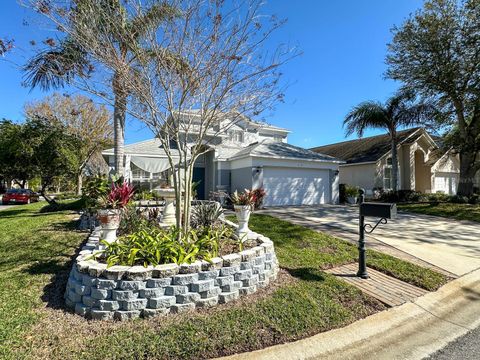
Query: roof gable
{"points": [[282, 150]]}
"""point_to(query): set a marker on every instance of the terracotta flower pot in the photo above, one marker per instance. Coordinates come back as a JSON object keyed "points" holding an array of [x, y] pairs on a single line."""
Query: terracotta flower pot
{"points": [[243, 216], [109, 221]]}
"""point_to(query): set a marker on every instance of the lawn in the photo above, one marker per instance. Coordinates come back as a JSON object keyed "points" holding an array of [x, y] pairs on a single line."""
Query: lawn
{"points": [[448, 210], [36, 253]]}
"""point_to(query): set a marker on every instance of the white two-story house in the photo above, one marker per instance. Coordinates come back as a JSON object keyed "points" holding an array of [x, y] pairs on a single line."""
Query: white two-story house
{"points": [[248, 155]]}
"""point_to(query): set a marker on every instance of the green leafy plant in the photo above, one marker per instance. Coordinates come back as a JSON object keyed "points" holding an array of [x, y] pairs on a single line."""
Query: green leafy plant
{"points": [[94, 188], [206, 214], [154, 246], [351, 191]]}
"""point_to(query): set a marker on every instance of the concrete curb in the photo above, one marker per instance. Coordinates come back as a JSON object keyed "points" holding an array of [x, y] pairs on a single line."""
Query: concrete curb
{"points": [[410, 331]]}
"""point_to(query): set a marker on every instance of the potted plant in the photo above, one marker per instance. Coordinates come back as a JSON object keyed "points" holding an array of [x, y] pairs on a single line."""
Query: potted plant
{"points": [[351, 193], [243, 204], [111, 208]]}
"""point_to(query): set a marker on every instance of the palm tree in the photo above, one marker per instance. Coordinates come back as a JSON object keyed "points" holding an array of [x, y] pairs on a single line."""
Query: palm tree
{"points": [[398, 111], [57, 66]]}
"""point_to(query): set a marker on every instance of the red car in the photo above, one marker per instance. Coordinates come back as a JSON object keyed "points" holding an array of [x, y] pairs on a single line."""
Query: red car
{"points": [[19, 196]]}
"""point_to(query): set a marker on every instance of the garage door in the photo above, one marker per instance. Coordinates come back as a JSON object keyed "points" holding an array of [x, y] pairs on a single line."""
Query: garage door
{"points": [[286, 186], [446, 183]]}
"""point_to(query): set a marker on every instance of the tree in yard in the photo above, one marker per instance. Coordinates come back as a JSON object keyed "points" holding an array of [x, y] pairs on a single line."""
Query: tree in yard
{"points": [[436, 52], [37, 148], [188, 79], [227, 76], [398, 111], [16, 159], [54, 152], [100, 35], [88, 123]]}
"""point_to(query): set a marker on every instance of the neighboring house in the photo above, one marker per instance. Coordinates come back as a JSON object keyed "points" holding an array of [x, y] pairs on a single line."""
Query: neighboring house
{"points": [[248, 155], [423, 166]]}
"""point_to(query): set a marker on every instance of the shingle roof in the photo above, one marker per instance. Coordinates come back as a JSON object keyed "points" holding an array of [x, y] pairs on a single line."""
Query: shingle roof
{"points": [[365, 149], [282, 150]]}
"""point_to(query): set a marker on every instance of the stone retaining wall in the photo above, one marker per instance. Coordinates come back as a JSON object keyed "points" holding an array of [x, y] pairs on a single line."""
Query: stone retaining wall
{"points": [[122, 292]]}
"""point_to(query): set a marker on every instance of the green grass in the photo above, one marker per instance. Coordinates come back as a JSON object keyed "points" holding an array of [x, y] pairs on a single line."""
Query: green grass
{"points": [[34, 246], [448, 210], [305, 301]]}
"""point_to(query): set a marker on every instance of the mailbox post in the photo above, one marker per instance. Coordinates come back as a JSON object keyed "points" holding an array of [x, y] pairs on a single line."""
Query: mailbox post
{"points": [[383, 211], [362, 258]]}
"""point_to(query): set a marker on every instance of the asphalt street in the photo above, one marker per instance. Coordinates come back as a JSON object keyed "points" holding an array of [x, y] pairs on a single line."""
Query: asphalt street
{"points": [[466, 347]]}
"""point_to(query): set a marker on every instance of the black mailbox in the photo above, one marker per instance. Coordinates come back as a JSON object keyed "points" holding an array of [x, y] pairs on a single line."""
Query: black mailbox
{"points": [[379, 210]]}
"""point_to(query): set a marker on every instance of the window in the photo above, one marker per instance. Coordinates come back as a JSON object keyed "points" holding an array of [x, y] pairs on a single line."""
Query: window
{"points": [[140, 174], [278, 138], [235, 135], [387, 177]]}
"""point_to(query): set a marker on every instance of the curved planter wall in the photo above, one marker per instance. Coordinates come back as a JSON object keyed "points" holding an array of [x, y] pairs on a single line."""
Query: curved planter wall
{"points": [[123, 292]]}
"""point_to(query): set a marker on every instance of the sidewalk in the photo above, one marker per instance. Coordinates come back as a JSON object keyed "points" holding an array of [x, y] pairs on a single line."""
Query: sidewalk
{"points": [[411, 331]]}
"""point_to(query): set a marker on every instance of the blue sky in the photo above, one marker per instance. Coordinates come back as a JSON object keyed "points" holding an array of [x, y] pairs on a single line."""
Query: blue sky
{"points": [[343, 44]]}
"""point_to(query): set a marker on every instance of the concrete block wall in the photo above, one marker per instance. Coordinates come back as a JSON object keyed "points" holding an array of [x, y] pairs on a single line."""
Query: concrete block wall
{"points": [[122, 292]]}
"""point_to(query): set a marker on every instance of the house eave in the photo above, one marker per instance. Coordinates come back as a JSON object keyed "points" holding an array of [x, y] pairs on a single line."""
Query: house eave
{"points": [[286, 158]]}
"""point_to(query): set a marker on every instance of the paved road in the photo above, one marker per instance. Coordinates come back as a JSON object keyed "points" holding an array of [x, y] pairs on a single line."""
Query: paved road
{"points": [[449, 244], [466, 347]]}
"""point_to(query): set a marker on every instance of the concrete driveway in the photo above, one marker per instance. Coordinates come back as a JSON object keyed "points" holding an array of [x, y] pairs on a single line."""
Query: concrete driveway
{"points": [[448, 244]]}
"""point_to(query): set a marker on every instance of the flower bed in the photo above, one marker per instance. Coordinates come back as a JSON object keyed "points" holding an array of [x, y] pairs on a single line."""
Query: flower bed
{"points": [[123, 292]]}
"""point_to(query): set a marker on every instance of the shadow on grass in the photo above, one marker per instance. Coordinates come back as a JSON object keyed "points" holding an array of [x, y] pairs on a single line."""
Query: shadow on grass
{"points": [[54, 291], [307, 274], [75, 205], [9, 213]]}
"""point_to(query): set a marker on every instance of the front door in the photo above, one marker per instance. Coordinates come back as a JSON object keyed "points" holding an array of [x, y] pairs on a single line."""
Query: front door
{"points": [[199, 179]]}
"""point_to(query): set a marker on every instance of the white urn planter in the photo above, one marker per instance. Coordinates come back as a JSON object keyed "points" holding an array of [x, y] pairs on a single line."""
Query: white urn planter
{"points": [[109, 221], [243, 216], [168, 215]]}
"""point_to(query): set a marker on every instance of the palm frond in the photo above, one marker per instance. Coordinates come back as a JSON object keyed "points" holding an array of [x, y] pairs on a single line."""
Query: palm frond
{"points": [[151, 19], [53, 68], [365, 115]]}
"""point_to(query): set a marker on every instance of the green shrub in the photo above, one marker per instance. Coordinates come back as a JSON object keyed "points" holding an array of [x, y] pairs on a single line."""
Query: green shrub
{"points": [[155, 246], [457, 199], [95, 187], [351, 191], [206, 214], [401, 196], [474, 199], [439, 197]]}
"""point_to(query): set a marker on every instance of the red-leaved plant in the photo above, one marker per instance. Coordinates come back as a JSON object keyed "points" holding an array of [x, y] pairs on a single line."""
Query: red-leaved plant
{"points": [[119, 196], [258, 196]]}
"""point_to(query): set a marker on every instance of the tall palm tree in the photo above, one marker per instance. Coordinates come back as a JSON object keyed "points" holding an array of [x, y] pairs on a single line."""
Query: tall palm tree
{"points": [[398, 111], [122, 33]]}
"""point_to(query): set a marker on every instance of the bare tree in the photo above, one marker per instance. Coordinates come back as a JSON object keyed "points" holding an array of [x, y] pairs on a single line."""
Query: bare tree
{"points": [[191, 79], [82, 118], [227, 75]]}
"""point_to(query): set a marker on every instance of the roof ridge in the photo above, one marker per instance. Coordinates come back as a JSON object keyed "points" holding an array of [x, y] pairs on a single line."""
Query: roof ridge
{"points": [[366, 138]]}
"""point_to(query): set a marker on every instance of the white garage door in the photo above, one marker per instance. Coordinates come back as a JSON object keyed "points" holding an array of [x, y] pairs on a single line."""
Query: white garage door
{"points": [[287, 186], [446, 183]]}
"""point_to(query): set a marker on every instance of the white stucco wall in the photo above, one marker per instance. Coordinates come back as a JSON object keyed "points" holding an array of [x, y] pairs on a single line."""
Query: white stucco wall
{"points": [[361, 175]]}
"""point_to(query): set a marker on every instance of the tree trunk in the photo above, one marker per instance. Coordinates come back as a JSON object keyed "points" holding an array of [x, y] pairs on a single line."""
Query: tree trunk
{"points": [[119, 114], [45, 196], [79, 183], [394, 164], [468, 169]]}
